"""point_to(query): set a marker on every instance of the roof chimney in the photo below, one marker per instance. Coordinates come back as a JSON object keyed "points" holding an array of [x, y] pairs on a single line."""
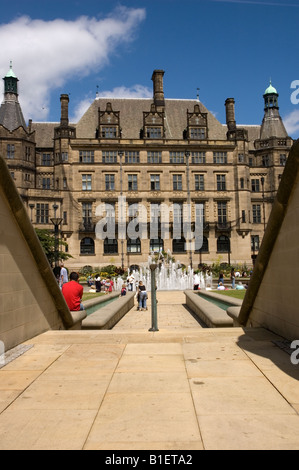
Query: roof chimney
{"points": [[158, 87], [230, 114], [64, 120]]}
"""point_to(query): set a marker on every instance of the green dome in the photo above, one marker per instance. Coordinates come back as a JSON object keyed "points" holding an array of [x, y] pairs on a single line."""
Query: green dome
{"points": [[10, 73], [270, 90]]}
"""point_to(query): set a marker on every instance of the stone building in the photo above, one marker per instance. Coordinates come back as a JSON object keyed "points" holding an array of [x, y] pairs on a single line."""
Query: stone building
{"points": [[160, 156]]}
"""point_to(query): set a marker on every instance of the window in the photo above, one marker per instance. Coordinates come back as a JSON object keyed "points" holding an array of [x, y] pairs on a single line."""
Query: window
{"points": [[198, 157], [87, 246], [86, 213], [110, 246], [27, 154], [176, 157], [155, 182], [46, 159], [65, 218], [223, 244], [243, 217], [177, 183], [134, 246], [109, 182], [282, 159], [64, 183], [220, 157], [197, 133], [199, 182], [10, 151], [256, 213], [132, 157], [132, 183], [179, 246], [221, 211], [156, 245], [255, 242], [205, 246], [46, 183], [221, 184], [241, 158], [109, 132], [154, 157], [154, 132], [241, 183], [42, 213], [64, 157], [255, 185], [109, 156], [86, 156], [86, 182], [265, 160]]}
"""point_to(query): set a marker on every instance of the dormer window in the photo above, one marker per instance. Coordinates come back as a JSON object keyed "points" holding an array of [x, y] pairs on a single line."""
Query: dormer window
{"points": [[109, 123], [153, 124], [196, 125], [197, 133]]}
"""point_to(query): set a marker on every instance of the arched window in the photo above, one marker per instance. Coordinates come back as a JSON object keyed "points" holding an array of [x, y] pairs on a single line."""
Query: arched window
{"points": [[223, 244], [110, 246], [134, 246], [205, 246], [87, 246], [178, 246], [156, 245]]}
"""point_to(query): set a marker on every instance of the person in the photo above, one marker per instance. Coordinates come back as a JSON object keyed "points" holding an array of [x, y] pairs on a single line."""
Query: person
{"points": [[123, 290], [111, 285], [240, 286], [196, 282], [233, 277], [131, 280], [221, 286], [72, 291], [63, 278], [142, 294], [221, 278], [98, 283]]}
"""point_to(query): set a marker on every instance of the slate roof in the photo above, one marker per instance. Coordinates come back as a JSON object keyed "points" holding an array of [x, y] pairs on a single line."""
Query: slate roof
{"points": [[11, 116], [131, 117]]}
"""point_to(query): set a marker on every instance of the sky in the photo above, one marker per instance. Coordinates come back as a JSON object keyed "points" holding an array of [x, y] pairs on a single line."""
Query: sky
{"points": [[216, 49]]}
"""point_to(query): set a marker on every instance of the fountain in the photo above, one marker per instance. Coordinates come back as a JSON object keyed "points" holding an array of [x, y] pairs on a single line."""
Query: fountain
{"points": [[169, 275]]}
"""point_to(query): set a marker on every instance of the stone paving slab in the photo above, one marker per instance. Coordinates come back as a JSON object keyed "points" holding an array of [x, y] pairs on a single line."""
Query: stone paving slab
{"points": [[131, 389]]}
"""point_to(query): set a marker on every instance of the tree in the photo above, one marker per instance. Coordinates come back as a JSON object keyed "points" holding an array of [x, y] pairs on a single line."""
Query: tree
{"points": [[47, 240]]}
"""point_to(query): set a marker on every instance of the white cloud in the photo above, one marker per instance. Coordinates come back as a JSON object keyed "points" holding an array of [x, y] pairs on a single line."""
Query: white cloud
{"points": [[46, 54], [291, 122], [136, 91]]}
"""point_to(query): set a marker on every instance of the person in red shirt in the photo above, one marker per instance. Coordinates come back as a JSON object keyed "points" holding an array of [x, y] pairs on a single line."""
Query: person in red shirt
{"points": [[72, 292]]}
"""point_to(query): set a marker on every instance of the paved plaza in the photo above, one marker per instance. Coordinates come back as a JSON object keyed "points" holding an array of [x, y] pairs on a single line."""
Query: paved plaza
{"points": [[184, 387]]}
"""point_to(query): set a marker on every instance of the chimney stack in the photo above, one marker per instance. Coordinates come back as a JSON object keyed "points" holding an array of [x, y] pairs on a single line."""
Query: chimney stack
{"points": [[230, 114], [64, 120], [158, 87]]}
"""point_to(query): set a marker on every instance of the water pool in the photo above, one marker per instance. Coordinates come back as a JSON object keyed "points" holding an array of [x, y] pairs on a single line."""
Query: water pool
{"points": [[94, 308], [219, 303]]}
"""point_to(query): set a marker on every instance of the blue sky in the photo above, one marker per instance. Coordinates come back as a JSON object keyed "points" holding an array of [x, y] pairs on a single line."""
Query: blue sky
{"points": [[224, 48]]}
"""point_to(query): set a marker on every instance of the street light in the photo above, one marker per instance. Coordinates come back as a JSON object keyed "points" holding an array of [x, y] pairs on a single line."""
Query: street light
{"points": [[121, 154], [154, 327], [189, 207], [56, 221]]}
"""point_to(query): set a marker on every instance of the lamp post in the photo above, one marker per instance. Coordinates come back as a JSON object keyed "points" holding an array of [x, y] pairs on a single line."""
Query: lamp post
{"points": [[56, 221], [121, 153], [263, 193], [154, 327], [187, 153]]}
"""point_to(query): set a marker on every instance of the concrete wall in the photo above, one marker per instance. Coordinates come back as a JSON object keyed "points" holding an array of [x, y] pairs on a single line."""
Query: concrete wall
{"points": [[272, 299], [277, 303], [30, 299]]}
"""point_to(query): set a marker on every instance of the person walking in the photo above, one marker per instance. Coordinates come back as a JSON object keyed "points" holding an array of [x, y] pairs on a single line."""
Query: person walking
{"points": [[142, 294], [233, 277], [63, 278]]}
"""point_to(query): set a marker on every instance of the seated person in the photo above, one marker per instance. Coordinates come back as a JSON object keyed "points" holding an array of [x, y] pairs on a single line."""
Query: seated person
{"points": [[240, 286], [221, 286], [73, 292]]}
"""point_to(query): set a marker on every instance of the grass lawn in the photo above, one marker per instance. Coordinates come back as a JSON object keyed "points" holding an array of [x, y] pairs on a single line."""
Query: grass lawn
{"points": [[238, 294], [90, 295]]}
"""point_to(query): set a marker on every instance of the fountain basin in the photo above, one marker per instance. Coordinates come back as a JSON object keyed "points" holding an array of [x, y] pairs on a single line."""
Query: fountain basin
{"points": [[212, 315], [106, 317]]}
